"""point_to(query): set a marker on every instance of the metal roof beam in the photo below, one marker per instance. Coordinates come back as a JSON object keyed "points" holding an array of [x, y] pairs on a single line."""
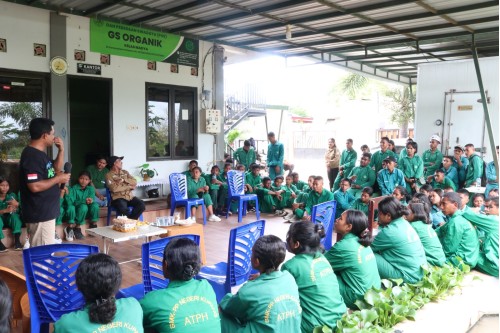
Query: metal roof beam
{"points": [[103, 6], [166, 12]]}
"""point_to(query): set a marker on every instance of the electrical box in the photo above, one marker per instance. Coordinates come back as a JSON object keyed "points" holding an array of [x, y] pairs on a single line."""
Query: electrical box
{"points": [[213, 121]]}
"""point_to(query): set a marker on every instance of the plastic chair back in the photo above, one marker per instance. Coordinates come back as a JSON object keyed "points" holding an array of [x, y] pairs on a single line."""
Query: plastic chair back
{"points": [[241, 241], [17, 286], [236, 183], [178, 187], [324, 213], [50, 277], [152, 262]]}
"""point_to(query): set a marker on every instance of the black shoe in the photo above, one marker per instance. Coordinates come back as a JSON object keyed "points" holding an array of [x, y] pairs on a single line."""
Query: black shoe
{"points": [[17, 243], [78, 233], [2, 248], [92, 225]]}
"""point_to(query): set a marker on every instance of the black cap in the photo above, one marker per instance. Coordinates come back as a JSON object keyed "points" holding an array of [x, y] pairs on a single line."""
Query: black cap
{"points": [[113, 159], [390, 159]]}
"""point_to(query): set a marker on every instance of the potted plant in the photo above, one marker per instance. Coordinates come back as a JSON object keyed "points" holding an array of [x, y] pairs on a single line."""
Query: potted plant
{"points": [[146, 172]]}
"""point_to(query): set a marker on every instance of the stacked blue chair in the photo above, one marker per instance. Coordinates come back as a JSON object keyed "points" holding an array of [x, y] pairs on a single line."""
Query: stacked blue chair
{"points": [[179, 196], [224, 275], [152, 268], [324, 213], [113, 209], [50, 277], [236, 189]]}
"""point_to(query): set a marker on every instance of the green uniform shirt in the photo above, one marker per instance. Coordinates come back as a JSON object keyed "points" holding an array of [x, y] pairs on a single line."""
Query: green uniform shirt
{"points": [[8, 197], [268, 304], [182, 307], [301, 185], [365, 176], [355, 267], [412, 168], [97, 176], [432, 161], [253, 180], [78, 196], [398, 243], [360, 205], [432, 247], [275, 154], [488, 252], [459, 238], [194, 185], [315, 198], [318, 290], [208, 179], [388, 181], [245, 157], [267, 202], [348, 160], [474, 170], [128, 319], [344, 202], [287, 195], [446, 183], [378, 157]]}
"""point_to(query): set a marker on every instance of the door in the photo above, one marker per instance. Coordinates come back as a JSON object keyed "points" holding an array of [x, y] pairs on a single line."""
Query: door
{"points": [[464, 121], [90, 119]]}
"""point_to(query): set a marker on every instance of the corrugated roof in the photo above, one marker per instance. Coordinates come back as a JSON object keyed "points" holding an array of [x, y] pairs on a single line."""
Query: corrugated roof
{"points": [[347, 31]]}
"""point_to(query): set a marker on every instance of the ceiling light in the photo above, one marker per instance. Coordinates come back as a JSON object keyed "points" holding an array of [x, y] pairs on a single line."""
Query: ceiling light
{"points": [[288, 31]]}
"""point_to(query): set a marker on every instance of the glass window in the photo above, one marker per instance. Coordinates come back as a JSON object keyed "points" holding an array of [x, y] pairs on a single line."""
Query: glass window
{"points": [[171, 127]]}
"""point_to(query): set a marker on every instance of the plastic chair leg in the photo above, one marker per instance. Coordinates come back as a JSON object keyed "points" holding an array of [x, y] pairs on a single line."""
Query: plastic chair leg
{"points": [[240, 210], [205, 214], [257, 211]]}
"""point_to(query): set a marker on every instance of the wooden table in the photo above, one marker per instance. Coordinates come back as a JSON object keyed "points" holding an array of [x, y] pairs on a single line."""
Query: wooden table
{"points": [[193, 229]]}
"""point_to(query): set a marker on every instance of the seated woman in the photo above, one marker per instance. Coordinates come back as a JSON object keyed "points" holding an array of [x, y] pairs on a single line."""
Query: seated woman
{"points": [[197, 188], [397, 247], [9, 215], [419, 220], [186, 304], [318, 288], [352, 258], [98, 278], [270, 302], [401, 194]]}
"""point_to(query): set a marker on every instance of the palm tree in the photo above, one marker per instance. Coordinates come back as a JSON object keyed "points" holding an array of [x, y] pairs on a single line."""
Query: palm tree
{"points": [[401, 105], [353, 84]]}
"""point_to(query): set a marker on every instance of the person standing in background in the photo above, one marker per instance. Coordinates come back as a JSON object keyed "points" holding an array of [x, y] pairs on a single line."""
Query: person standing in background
{"points": [[275, 156], [347, 163], [332, 160], [432, 157], [39, 180], [245, 155]]}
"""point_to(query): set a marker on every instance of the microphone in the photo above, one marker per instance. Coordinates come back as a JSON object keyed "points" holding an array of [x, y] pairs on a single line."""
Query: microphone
{"points": [[67, 169]]}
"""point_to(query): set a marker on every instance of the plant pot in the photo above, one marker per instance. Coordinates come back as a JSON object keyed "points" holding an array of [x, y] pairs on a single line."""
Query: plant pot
{"points": [[146, 178]]}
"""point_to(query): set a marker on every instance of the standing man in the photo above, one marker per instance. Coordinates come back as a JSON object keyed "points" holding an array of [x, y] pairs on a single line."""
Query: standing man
{"points": [[245, 155], [39, 181], [460, 162], [275, 156], [347, 163], [432, 157], [475, 168], [121, 184]]}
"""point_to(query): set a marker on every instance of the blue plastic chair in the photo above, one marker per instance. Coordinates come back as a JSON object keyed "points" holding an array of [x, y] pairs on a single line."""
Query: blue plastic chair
{"points": [[179, 196], [113, 209], [236, 189], [50, 277], [324, 213], [224, 275], [152, 268]]}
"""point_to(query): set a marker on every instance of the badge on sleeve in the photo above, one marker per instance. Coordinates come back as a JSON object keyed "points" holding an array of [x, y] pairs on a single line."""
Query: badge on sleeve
{"points": [[32, 176]]}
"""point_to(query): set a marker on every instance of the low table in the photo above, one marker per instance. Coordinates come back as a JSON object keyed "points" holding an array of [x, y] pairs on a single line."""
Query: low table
{"points": [[109, 235]]}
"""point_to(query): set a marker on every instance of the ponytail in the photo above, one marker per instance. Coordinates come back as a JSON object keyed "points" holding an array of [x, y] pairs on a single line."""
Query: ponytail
{"points": [[359, 223], [103, 310]]}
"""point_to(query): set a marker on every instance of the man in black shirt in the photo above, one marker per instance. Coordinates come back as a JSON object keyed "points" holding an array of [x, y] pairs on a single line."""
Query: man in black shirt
{"points": [[39, 180]]}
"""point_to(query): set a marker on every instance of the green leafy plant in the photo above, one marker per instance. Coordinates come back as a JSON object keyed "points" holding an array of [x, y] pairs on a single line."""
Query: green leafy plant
{"points": [[232, 135], [145, 172]]}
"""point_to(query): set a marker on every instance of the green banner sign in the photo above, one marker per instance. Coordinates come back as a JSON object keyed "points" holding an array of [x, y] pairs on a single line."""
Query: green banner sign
{"points": [[134, 42]]}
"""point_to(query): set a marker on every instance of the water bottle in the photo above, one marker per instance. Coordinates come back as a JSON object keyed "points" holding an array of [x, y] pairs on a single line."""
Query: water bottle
{"points": [[478, 182]]}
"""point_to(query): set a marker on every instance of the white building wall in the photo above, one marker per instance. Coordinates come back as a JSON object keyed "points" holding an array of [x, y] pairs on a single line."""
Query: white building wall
{"points": [[435, 79], [22, 26]]}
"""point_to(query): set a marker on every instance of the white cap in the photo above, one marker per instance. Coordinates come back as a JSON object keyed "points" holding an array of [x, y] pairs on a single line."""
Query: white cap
{"points": [[436, 137]]}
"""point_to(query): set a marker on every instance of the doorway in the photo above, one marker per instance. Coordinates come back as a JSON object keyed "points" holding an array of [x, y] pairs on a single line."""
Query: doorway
{"points": [[90, 106]]}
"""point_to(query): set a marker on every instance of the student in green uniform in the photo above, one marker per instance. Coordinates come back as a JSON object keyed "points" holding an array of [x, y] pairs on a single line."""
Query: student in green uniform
{"points": [[299, 184], [282, 196], [98, 278], [397, 247], [318, 288], [98, 173], [488, 224], [347, 163], [432, 157], [390, 177], [361, 176], [460, 162], [381, 155], [437, 216], [186, 304], [290, 192], [478, 202], [214, 184], [223, 191], [301, 200], [245, 155], [63, 193], [440, 181], [253, 181], [275, 156], [475, 168], [412, 167], [403, 153], [363, 202], [268, 197], [317, 196], [9, 215], [419, 220], [450, 172], [352, 259], [491, 177], [191, 165], [270, 302], [197, 188], [464, 199], [458, 236], [401, 194], [80, 205], [343, 197]]}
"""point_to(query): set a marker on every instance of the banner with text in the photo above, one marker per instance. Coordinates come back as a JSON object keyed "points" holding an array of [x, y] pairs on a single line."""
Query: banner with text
{"points": [[130, 41]]}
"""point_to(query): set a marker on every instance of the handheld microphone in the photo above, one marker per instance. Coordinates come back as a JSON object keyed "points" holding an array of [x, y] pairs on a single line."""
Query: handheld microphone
{"points": [[67, 169]]}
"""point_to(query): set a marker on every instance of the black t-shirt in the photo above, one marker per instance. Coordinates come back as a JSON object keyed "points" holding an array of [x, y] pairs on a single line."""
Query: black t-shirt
{"points": [[42, 206]]}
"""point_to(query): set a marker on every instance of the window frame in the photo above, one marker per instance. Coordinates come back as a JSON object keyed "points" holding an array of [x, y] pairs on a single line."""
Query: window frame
{"points": [[171, 123]]}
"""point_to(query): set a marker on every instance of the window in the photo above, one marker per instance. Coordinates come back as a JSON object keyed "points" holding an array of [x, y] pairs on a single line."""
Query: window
{"points": [[171, 122]]}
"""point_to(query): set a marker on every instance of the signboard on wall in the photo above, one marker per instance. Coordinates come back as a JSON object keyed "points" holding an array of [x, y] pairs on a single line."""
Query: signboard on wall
{"points": [[135, 42]]}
